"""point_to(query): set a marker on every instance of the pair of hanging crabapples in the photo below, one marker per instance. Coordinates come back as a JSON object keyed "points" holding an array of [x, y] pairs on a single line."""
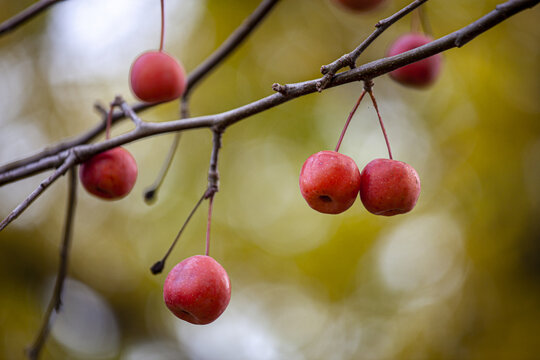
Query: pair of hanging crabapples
{"points": [[330, 181]]}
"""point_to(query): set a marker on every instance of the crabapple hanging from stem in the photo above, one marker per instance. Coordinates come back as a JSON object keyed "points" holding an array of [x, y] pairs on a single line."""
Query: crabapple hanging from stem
{"points": [[156, 76], [418, 74], [329, 181], [109, 175], [389, 187], [197, 290]]}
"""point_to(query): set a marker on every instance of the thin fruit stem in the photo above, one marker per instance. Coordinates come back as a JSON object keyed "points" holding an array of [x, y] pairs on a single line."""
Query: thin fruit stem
{"points": [[349, 120], [424, 21], [151, 192], [162, 25], [109, 122], [380, 122], [210, 203], [416, 21], [158, 266]]}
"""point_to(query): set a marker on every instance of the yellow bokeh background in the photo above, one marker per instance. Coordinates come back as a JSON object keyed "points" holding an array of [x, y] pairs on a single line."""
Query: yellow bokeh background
{"points": [[457, 278]]}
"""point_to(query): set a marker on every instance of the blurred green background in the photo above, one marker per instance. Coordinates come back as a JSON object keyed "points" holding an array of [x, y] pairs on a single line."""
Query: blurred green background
{"points": [[457, 278]]}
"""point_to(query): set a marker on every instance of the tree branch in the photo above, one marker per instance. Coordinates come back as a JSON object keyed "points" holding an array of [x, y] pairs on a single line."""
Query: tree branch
{"points": [[128, 111], [158, 266], [56, 298], [25, 15], [67, 164], [213, 173], [350, 59], [82, 139]]}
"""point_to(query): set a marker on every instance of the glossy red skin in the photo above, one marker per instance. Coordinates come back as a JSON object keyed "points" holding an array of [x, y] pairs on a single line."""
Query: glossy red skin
{"points": [[197, 290], [360, 5], [389, 187], [109, 175], [155, 76], [329, 181], [418, 74]]}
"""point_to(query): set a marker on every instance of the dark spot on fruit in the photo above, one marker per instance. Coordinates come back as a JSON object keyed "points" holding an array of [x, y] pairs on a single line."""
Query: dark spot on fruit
{"points": [[325, 198]]}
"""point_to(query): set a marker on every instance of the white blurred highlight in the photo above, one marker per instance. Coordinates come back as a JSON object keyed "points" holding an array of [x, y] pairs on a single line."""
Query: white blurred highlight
{"points": [[423, 257], [100, 38], [263, 322], [86, 325]]}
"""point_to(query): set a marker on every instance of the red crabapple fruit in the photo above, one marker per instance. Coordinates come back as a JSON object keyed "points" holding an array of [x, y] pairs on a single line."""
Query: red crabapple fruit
{"points": [[109, 175], [197, 290], [329, 181], [360, 5], [156, 76], [389, 187], [418, 74]]}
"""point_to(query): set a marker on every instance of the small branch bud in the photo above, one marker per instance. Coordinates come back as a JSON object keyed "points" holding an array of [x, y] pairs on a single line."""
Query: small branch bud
{"points": [[282, 89], [157, 268]]}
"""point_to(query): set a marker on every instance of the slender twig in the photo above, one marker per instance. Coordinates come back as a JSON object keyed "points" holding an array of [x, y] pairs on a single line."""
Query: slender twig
{"points": [[150, 193], [102, 110], [68, 163], [370, 70], [65, 145], [128, 111], [351, 114], [56, 298], [212, 188], [25, 15], [350, 59], [159, 265], [184, 107], [213, 181], [57, 153]]}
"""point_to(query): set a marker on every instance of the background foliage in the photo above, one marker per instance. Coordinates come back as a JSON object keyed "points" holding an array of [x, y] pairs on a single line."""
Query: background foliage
{"points": [[456, 278]]}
